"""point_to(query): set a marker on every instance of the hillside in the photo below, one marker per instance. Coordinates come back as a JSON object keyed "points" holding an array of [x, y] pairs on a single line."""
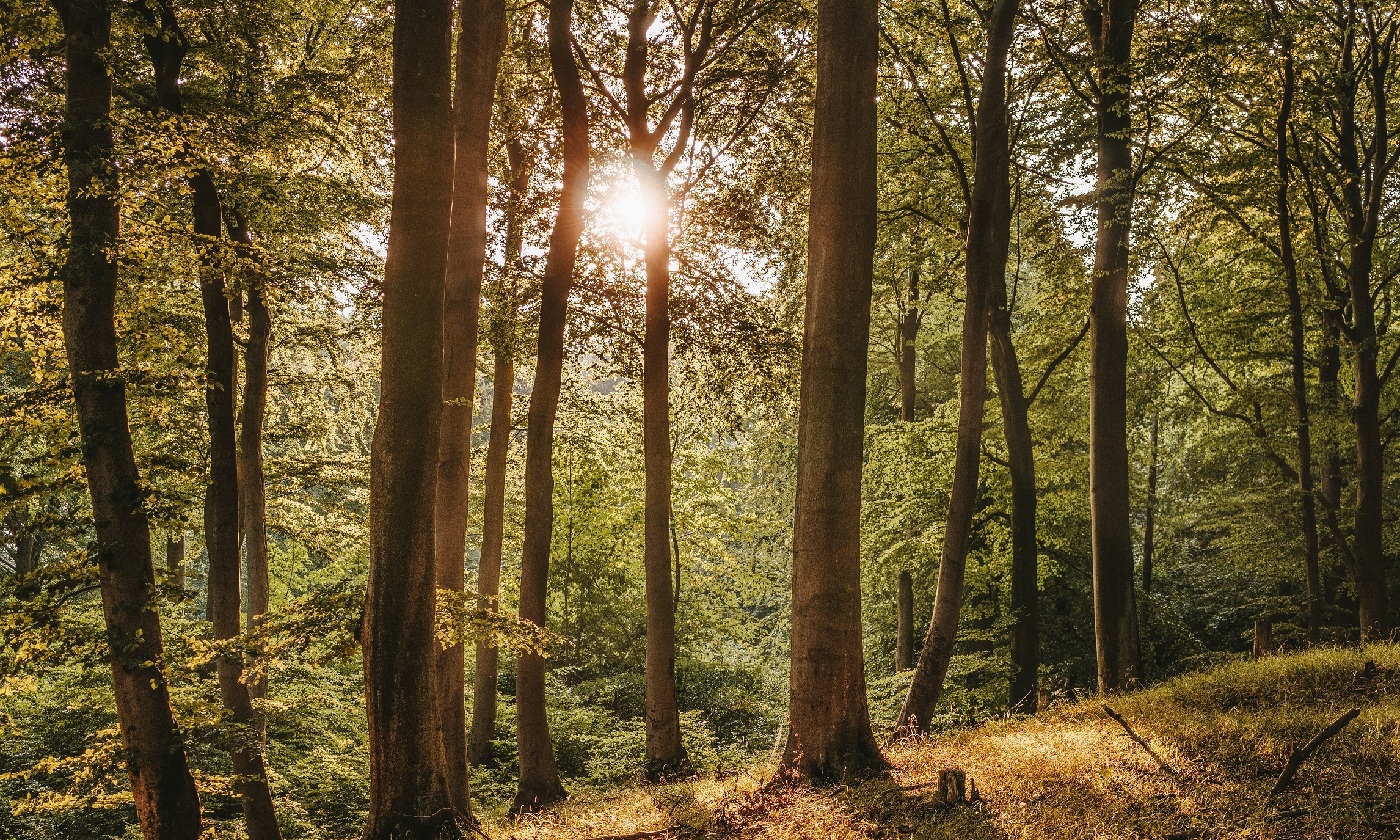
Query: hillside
{"points": [[1073, 772]]}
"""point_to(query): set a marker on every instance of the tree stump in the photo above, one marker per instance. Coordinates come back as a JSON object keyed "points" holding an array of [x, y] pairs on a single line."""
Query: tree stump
{"points": [[1263, 638], [952, 786]]}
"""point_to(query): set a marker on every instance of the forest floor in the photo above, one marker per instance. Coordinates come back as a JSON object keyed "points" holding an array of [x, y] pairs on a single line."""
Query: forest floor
{"points": [[1223, 736]]}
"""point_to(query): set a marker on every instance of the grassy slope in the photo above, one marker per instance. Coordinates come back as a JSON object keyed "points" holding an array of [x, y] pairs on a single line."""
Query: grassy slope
{"points": [[1073, 773]]}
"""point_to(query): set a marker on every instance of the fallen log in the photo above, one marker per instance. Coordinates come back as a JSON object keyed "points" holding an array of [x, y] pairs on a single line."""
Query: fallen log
{"points": [[1296, 757]]}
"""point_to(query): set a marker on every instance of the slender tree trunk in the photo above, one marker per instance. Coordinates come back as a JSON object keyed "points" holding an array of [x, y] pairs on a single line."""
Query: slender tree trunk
{"points": [[830, 736], [489, 570], [1149, 531], [539, 772], [252, 413], [480, 41], [1020, 451], [166, 47], [26, 554], [409, 797], [909, 349], [904, 641], [988, 236], [1330, 482], [1115, 617], [175, 559], [1297, 352], [167, 805]]}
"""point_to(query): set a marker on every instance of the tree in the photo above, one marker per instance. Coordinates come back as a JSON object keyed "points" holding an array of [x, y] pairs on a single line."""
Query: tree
{"points": [[480, 40], [1110, 33], [988, 237], [829, 735], [408, 788], [539, 771], [167, 804]]}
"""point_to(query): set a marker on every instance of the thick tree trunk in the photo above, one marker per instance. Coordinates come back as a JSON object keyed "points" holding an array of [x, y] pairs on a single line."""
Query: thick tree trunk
{"points": [[175, 559], [904, 640], [1149, 528], [909, 349], [408, 787], [166, 47], [252, 413], [1020, 452], [489, 571], [167, 805], [830, 736], [480, 41], [1307, 500], [987, 239], [539, 772], [1115, 616]]}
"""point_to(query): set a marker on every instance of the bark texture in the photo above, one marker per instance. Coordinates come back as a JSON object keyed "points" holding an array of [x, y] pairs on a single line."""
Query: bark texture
{"points": [[830, 736], [909, 322], [904, 640], [539, 772], [167, 805], [988, 234], [408, 786], [480, 40], [1110, 28]]}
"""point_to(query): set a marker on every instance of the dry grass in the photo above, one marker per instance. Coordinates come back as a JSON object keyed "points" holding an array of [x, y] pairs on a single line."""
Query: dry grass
{"points": [[1073, 773]]}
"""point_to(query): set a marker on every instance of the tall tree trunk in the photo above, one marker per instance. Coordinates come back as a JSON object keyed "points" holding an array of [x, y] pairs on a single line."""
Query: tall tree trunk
{"points": [[1307, 500], [502, 338], [252, 413], [408, 786], [904, 639], [1020, 452], [175, 559], [167, 804], [1149, 530], [480, 41], [167, 45], [489, 570], [1110, 28], [539, 772], [1329, 368], [988, 235], [830, 735], [909, 323]]}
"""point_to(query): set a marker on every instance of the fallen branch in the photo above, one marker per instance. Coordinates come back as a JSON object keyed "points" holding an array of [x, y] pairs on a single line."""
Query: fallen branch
{"points": [[1297, 757], [1140, 742], [639, 835]]}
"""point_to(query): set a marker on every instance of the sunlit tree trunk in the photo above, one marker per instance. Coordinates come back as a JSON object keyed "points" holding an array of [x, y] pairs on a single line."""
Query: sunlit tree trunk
{"points": [[408, 787], [1110, 28], [167, 805], [480, 41], [988, 235], [829, 735], [539, 772]]}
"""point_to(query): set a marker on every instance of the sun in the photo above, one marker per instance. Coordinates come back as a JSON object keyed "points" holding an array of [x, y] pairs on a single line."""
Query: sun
{"points": [[628, 210]]}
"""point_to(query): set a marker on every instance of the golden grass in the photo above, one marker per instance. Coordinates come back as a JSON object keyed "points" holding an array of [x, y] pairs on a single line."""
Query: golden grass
{"points": [[1072, 772]]}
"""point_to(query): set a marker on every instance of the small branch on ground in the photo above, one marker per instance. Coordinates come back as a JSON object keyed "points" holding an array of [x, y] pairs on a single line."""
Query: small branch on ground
{"points": [[1167, 768], [1297, 757]]}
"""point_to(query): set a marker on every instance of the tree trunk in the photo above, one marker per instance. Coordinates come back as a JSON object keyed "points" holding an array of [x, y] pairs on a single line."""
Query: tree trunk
{"points": [[904, 640], [167, 805], [1149, 530], [408, 787], [909, 350], [1020, 452], [1329, 368], [830, 736], [1297, 352], [480, 41], [175, 559], [252, 413], [988, 235], [166, 45], [539, 772], [489, 571], [1263, 638], [1115, 617]]}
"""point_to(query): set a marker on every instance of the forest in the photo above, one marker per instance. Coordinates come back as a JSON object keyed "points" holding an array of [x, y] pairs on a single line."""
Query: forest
{"points": [[564, 419]]}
